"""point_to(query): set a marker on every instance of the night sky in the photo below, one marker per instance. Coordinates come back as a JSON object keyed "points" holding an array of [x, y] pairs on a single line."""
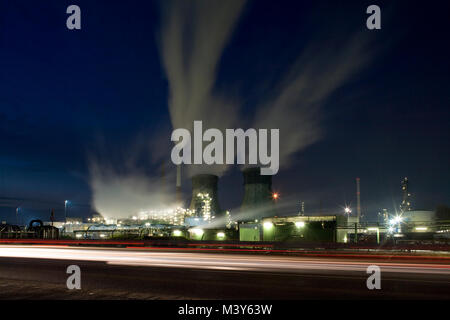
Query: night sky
{"points": [[67, 96]]}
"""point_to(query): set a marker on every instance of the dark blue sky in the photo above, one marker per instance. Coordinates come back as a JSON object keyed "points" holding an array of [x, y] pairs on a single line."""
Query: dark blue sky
{"points": [[65, 95]]}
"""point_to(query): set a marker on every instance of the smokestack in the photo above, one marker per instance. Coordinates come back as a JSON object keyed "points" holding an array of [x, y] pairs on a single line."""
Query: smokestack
{"points": [[205, 201], [257, 202], [178, 186], [358, 199], [163, 178]]}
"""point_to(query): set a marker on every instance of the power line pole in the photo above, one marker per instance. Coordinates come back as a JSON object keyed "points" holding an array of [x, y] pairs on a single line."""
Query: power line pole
{"points": [[358, 200]]}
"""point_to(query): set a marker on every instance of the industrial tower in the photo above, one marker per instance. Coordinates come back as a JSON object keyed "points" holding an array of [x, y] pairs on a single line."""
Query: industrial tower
{"points": [[358, 200], [406, 196]]}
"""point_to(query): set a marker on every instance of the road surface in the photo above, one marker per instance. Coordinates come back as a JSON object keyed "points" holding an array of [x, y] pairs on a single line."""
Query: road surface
{"points": [[39, 272]]}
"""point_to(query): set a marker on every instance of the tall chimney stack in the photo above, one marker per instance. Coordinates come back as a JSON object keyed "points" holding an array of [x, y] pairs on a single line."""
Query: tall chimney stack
{"points": [[358, 199], [178, 186]]}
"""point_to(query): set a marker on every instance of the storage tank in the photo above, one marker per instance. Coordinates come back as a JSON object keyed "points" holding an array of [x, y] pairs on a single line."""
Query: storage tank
{"points": [[43, 232]]}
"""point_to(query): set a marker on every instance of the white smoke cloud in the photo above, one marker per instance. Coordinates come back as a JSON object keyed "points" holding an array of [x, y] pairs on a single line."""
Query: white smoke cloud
{"points": [[193, 37], [122, 187], [297, 106], [121, 196]]}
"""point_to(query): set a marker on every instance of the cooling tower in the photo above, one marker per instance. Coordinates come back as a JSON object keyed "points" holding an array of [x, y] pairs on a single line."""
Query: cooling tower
{"points": [[205, 201], [258, 201]]}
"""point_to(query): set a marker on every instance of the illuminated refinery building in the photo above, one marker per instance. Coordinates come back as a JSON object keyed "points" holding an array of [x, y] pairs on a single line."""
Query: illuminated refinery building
{"points": [[205, 202], [170, 216]]}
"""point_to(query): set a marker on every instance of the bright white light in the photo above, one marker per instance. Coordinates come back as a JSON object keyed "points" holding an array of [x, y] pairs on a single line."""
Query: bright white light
{"points": [[102, 235], [395, 220], [220, 235], [268, 225], [147, 224], [177, 233], [372, 229], [78, 235], [347, 210], [421, 228], [299, 224], [391, 229]]}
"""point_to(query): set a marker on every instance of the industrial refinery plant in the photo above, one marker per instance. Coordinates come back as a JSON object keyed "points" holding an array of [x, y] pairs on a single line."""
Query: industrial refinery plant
{"points": [[224, 150], [257, 220]]}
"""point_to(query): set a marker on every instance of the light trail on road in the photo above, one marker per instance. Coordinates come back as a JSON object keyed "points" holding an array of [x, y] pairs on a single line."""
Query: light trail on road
{"points": [[214, 261]]}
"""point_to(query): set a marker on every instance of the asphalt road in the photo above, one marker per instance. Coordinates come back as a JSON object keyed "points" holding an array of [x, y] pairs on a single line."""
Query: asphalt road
{"points": [[32, 272]]}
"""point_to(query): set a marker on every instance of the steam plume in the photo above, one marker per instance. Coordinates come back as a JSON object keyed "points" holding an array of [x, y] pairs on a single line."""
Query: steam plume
{"points": [[121, 185], [297, 106], [193, 37]]}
